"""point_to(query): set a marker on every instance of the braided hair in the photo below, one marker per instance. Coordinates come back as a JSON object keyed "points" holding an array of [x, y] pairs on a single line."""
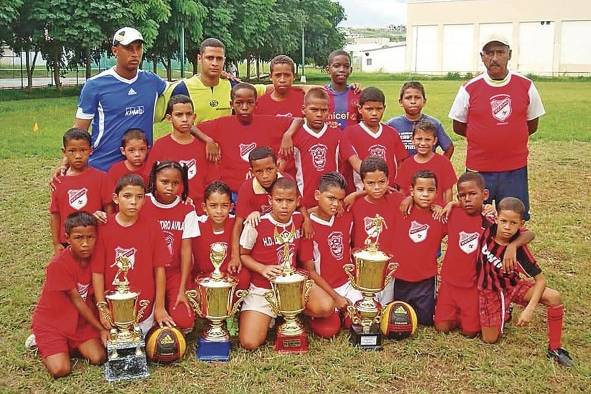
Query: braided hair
{"points": [[162, 165]]}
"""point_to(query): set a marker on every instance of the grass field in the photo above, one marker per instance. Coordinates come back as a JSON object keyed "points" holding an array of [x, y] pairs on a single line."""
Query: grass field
{"points": [[560, 185]]}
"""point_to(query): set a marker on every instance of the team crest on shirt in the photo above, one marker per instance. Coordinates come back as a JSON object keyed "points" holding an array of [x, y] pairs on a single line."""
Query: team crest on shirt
{"points": [[335, 242], [191, 167], [213, 103], [124, 259], [369, 224], [318, 153], [245, 150], [500, 106], [280, 253], [418, 232], [83, 290], [468, 242], [169, 239], [78, 198], [377, 150]]}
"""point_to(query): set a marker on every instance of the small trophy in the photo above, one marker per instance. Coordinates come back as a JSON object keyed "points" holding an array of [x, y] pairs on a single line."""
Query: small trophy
{"points": [[214, 300], [288, 297], [126, 346], [370, 274]]}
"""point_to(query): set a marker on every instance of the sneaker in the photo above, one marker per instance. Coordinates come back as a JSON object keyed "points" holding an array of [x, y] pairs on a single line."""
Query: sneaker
{"points": [[31, 343], [561, 356]]}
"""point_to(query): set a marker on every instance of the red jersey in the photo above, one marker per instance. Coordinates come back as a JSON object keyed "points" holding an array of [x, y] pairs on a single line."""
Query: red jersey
{"points": [[385, 143], [237, 140], [342, 107], [142, 243], [438, 164], [260, 241], [119, 169], [365, 211], [417, 239], [332, 247], [177, 220], [202, 244], [290, 106], [315, 154], [459, 264], [89, 191], [55, 309], [192, 155], [253, 197]]}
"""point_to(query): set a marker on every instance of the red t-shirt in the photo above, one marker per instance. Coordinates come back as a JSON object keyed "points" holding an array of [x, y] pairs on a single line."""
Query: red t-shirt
{"points": [[177, 221], [192, 155], [261, 242], [290, 106], [332, 247], [315, 154], [55, 309], [417, 239], [202, 245], [142, 243], [89, 191], [253, 197], [385, 143], [119, 169], [439, 165], [237, 140], [459, 264], [365, 211]]}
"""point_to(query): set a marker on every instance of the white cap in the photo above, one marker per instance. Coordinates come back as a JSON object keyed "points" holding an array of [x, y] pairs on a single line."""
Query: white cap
{"points": [[495, 37], [127, 35]]}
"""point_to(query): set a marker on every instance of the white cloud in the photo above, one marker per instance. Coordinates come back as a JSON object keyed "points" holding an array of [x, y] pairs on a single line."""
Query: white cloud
{"points": [[373, 13]]}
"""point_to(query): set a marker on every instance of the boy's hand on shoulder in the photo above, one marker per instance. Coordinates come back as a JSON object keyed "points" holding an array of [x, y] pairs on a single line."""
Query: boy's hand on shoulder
{"points": [[489, 211], [525, 317], [356, 87], [286, 148], [57, 248], [307, 229], [509, 258], [163, 318], [212, 151], [100, 216], [56, 177], [406, 206], [253, 218], [447, 210], [438, 213]]}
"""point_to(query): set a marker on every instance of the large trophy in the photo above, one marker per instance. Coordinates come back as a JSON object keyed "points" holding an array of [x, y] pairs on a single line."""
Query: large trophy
{"points": [[371, 272], [214, 300], [288, 297], [125, 347]]}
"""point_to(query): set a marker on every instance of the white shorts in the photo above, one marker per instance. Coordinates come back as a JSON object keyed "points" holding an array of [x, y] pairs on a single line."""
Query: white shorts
{"points": [[386, 296], [256, 301], [147, 324], [349, 292]]}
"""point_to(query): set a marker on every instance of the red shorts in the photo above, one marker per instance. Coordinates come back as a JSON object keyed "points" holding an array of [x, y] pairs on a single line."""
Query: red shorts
{"points": [[458, 304], [51, 341], [182, 315], [494, 304]]}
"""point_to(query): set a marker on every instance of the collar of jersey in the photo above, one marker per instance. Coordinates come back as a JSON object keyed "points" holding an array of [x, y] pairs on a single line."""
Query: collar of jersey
{"points": [[316, 134], [164, 206], [371, 133], [497, 83], [120, 78], [257, 188], [270, 218], [323, 222]]}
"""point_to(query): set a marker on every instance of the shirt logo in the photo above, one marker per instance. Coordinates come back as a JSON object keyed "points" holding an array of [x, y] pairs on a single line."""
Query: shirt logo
{"points": [[335, 242], [500, 106], [490, 257], [213, 103], [78, 198], [124, 259], [83, 290], [169, 239], [369, 224], [133, 111], [418, 232], [377, 150], [191, 167], [468, 242], [318, 153], [245, 150], [131, 92]]}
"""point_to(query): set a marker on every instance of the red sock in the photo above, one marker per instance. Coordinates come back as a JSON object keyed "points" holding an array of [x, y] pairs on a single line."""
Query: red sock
{"points": [[555, 315], [326, 327]]}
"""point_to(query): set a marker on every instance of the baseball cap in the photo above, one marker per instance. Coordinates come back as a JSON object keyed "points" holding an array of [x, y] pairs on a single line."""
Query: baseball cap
{"points": [[495, 37], [127, 35]]}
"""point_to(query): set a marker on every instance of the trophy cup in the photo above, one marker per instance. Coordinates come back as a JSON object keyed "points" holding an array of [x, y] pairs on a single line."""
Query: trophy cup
{"points": [[370, 274], [288, 297], [214, 300], [126, 346]]}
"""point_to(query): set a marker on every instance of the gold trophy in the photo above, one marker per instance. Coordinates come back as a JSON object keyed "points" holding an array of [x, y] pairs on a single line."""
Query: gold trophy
{"points": [[288, 297], [371, 272], [126, 346], [214, 300]]}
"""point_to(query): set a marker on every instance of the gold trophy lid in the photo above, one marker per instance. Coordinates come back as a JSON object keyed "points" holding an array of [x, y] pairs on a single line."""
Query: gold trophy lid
{"points": [[371, 255], [222, 282], [118, 296], [291, 278]]}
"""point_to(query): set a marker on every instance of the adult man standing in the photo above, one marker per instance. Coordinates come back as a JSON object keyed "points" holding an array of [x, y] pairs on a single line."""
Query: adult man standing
{"points": [[496, 112], [118, 99]]}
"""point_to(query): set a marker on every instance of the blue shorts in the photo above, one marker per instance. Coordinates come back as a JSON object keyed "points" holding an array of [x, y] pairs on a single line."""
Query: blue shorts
{"points": [[503, 184], [420, 295]]}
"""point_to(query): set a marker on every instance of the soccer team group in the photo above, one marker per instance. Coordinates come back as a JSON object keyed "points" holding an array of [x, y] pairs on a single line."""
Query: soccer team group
{"points": [[317, 160]]}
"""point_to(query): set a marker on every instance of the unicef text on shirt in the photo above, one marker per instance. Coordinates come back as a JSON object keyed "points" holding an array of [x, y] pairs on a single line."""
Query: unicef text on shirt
{"points": [[133, 111]]}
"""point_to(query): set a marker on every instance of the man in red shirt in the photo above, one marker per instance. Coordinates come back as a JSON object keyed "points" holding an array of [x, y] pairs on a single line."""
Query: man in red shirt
{"points": [[497, 111]]}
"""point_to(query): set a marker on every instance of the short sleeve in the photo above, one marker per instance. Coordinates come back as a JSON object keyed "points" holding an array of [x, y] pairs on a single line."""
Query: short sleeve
{"points": [[450, 176], [242, 203], [160, 253], [399, 149], [306, 252], [443, 139], [97, 261], [88, 102], [460, 107], [527, 262], [345, 149], [59, 278], [209, 127], [261, 89], [161, 85], [54, 206], [191, 225], [248, 237], [535, 108], [107, 188]]}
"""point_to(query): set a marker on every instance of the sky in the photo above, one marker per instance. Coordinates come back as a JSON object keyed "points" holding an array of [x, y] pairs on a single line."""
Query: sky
{"points": [[373, 13]]}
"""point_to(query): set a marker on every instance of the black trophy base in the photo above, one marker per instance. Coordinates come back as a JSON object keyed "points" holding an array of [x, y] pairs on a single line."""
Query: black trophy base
{"points": [[125, 362], [366, 341]]}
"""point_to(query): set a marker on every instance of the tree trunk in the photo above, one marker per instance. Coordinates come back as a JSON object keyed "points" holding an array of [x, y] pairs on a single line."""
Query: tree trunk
{"points": [[56, 70], [258, 69], [155, 67], [237, 69], [88, 65], [247, 68], [169, 70], [195, 67], [29, 74]]}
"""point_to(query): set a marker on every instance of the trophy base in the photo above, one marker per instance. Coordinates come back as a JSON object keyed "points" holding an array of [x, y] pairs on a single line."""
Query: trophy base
{"points": [[366, 341], [212, 351], [291, 343], [124, 362]]}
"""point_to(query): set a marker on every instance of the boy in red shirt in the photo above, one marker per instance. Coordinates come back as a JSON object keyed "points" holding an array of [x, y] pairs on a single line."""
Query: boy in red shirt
{"points": [[284, 99], [138, 238], [64, 319], [259, 254], [80, 188], [134, 147], [522, 283], [344, 98]]}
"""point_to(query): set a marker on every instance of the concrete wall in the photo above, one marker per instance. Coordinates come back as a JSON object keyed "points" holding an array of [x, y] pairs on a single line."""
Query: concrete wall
{"points": [[389, 60]]}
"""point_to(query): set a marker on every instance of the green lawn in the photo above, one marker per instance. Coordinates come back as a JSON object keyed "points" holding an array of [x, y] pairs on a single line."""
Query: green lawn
{"points": [[560, 185]]}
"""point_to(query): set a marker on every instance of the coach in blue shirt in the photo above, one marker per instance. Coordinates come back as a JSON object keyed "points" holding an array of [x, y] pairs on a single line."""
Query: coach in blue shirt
{"points": [[118, 99]]}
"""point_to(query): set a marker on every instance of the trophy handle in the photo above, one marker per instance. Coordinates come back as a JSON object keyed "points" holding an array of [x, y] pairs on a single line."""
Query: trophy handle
{"points": [[140, 313], [193, 298], [270, 297], [241, 295], [349, 268], [307, 289], [391, 268], [352, 312]]}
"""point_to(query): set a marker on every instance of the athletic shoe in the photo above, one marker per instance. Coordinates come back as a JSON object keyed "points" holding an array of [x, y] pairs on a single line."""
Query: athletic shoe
{"points": [[561, 356], [31, 343]]}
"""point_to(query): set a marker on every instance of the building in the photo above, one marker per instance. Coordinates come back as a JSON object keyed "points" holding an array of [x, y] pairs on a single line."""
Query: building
{"points": [[547, 37], [390, 59]]}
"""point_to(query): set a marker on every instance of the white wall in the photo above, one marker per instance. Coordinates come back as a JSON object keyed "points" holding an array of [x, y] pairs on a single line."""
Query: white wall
{"points": [[390, 60], [575, 53], [536, 47], [426, 43], [458, 43]]}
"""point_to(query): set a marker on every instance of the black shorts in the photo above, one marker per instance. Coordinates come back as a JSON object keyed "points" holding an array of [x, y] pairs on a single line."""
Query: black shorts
{"points": [[420, 295]]}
